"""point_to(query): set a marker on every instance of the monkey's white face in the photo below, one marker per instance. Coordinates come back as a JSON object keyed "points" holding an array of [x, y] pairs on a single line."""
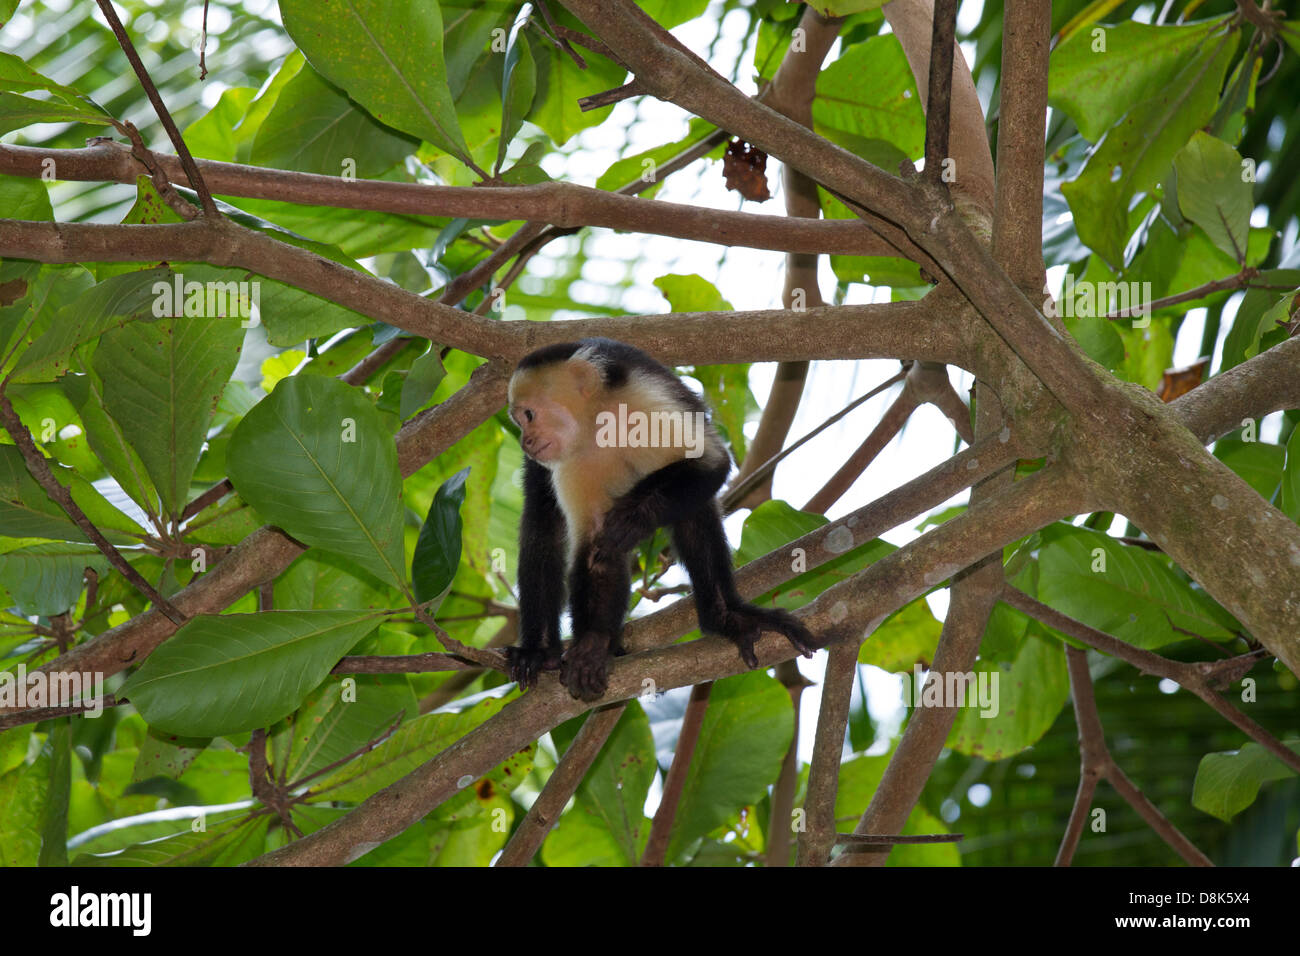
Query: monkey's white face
{"points": [[548, 429]]}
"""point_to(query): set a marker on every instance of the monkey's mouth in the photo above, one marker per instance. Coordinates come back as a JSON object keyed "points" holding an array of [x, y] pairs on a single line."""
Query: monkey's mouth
{"points": [[536, 454]]}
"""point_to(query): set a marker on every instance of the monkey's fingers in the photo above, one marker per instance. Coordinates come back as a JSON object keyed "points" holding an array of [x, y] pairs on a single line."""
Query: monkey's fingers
{"points": [[524, 664], [746, 647]]}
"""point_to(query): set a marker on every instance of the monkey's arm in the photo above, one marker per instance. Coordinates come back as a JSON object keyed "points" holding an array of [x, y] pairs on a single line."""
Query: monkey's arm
{"points": [[662, 498], [541, 578]]}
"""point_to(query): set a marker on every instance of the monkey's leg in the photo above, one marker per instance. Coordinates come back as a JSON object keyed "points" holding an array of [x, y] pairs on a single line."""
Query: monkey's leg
{"points": [[702, 547], [600, 588], [541, 579]]}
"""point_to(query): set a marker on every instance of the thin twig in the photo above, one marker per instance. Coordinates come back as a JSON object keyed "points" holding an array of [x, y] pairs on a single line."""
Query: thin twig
{"points": [[174, 134]]}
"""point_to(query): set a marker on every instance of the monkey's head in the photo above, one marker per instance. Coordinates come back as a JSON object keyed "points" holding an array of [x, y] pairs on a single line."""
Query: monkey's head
{"points": [[552, 402]]}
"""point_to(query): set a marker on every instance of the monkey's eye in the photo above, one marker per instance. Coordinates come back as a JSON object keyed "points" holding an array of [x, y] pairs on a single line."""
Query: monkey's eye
{"points": [[528, 414]]}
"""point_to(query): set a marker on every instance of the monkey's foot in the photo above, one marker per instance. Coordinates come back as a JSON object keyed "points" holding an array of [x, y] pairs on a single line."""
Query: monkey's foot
{"points": [[584, 669], [524, 664], [743, 626]]}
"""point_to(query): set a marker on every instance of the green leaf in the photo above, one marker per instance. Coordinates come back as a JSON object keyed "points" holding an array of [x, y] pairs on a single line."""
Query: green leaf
{"points": [[414, 743], [1098, 338], [17, 77], [116, 301], [634, 167], [869, 92], [1227, 783], [610, 805], [1213, 194], [24, 794], [314, 458], [54, 822], [162, 381], [746, 731], [518, 86], [469, 25], [46, 579], [691, 293], [107, 439], [27, 512], [228, 673], [1129, 593], [315, 128], [1289, 499], [19, 111], [842, 8], [331, 726], [1018, 702], [906, 637], [560, 84], [1096, 80], [1258, 314], [388, 57], [23, 198], [421, 381], [437, 551], [221, 844], [1136, 151], [671, 13]]}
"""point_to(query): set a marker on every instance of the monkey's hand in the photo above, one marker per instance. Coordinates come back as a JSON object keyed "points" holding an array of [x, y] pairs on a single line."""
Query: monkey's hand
{"points": [[584, 669], [744, 625], [523, 664]]}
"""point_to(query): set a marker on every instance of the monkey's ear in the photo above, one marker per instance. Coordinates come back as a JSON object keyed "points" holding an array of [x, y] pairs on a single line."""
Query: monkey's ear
{"points": [[586, 377]]}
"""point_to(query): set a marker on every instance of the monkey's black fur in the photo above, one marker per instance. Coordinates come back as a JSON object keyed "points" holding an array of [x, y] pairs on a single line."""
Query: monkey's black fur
{"points": [[679, 495]]}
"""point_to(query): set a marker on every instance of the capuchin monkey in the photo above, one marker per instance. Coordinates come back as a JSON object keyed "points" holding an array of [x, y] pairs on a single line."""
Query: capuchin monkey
{"points": [[616, 447]]}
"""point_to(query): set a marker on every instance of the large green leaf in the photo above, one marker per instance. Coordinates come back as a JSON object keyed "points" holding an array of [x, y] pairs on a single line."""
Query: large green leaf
{"points": [[1096, 79], [1127, 592], [1017, 703], [869, 92], [25, 199], [107, 438], [609, 814], [746, 731], [386, 56], [314, 458], [162, 381], [117, 301], [228, 673], [1136, 151], [315, 128], [331, 726]]}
